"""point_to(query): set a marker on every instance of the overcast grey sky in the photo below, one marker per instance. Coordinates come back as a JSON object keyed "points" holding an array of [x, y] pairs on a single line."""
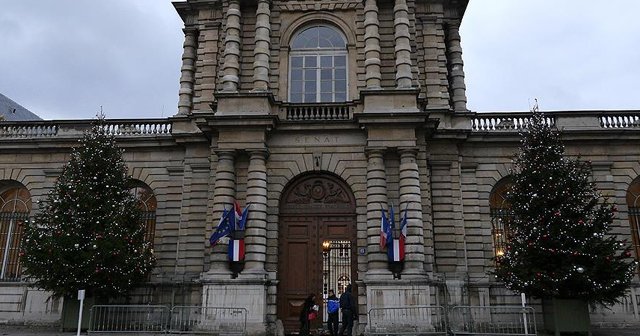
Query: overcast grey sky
{"points": [[63, 59]]}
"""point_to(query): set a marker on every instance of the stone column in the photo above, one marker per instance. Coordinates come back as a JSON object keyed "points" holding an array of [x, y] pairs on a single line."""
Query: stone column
{"points": [[256, 231], [372, 45], [187, 70], [376, 198], [403, 47], [231, 66], [456, 70], [262, 49], [223, 197], [410, 198]]}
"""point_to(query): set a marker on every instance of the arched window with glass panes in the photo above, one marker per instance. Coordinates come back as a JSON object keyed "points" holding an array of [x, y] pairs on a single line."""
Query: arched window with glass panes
{"points": [[318, 65], [633, 203], [501, 215], [148, 204], [15, 207]]}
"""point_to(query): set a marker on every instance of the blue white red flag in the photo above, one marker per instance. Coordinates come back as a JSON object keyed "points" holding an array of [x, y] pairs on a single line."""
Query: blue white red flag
{"points": [[403, 227], [391, 226], [241, 216], [236, 249], [224, 228], [395, 250], [384, 224]]}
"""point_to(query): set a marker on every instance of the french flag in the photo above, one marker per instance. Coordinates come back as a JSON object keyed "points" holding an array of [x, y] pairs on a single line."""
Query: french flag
{"points": [[395, 252], [236, 249]]}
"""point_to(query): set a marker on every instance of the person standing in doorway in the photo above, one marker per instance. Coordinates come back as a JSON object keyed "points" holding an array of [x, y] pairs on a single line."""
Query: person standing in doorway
{"points": [[348, 306], [333, 307], [306, 315]]}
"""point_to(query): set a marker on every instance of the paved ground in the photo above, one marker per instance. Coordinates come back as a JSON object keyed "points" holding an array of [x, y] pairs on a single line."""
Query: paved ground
{"points": [[34, 331]]}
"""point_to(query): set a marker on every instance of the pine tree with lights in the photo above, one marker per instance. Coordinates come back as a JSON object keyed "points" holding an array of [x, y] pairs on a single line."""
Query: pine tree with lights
{"points": [[559, 244], [89, 233]]}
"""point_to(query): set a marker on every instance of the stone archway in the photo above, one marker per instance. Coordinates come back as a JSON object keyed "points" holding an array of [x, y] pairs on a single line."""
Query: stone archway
{"points": [[314, 208]]}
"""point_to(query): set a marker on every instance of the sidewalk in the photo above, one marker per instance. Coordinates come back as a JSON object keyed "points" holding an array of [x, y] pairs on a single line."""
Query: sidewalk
{"points": [[40, 331]]}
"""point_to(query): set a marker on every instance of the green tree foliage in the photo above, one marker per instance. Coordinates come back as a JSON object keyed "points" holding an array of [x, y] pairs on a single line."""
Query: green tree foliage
{"points": [[89, 233], [559, 244]]}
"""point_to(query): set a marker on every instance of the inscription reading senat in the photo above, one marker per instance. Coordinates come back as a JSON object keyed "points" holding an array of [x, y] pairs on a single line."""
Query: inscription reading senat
{"points": [[319, 139]]}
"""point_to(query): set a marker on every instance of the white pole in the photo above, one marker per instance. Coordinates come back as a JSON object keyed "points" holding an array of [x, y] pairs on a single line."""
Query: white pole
{"points": [[81, 299], [523, 298]]}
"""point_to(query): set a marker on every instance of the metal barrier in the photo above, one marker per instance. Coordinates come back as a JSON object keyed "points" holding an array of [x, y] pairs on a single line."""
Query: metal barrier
{"points": [[410, 320], [492, 320], [206, 320], [128, 319]]}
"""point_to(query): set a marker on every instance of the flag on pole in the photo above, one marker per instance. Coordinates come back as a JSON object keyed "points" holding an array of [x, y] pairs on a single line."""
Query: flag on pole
{"points": [[403, 227], [384, 224], [224, 228], [242, 220], [236, 250], [395, 250], [391, 226]]}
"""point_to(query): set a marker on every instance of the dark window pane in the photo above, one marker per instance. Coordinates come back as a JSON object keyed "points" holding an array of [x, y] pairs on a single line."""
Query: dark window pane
{"points": [[310, 74], [340, 61], [310, 61], [326, 74], [310, 86], [341, 73], [326, 97], [325, 61], [296, 97], [296, 74], [341, 96], [326, 86], [309, 97], [296, 86], [296, 62], [341, 85]]}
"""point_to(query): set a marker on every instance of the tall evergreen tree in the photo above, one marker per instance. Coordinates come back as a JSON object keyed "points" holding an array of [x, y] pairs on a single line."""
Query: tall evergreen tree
{"points": [[559, 242], [89, 233]]}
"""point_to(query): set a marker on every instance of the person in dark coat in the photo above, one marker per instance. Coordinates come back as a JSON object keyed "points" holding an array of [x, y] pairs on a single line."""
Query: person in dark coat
{"points": [[348, 307], [333, 308], [307, 307]]}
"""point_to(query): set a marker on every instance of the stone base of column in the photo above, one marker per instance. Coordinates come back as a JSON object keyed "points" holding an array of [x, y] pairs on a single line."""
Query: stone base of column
{"points": [[249, 294], [398, 293], [390, 101]]}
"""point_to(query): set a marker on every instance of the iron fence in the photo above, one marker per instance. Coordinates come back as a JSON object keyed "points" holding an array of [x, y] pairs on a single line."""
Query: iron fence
{"points": [[410, 320], [492, 320], [128, 319], [207, 320]]}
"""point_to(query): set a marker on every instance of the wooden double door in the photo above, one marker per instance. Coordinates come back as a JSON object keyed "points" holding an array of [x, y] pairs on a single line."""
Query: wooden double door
{"points": [[302, 263]]}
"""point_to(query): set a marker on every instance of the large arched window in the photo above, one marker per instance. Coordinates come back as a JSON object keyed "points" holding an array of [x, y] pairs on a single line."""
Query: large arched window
{"points": [[501, 216], [15, 206], [148, 204], [633, 202], [318, 66]]}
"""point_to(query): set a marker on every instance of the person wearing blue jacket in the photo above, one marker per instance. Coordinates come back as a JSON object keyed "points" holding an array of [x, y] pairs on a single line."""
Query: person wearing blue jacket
{"points": [[333, 306]]}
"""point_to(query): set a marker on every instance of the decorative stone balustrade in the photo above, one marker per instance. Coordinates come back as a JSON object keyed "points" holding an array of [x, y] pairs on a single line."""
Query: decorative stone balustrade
{"points": [[317, 112], [75, 128], [565, 120]]}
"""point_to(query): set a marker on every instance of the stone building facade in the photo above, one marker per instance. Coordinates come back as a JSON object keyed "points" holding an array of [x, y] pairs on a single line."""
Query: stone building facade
{"points": [[318, 114]]}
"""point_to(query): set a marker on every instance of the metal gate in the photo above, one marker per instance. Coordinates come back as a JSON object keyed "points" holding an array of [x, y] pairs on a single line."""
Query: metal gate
{"points": [[336, 269]]}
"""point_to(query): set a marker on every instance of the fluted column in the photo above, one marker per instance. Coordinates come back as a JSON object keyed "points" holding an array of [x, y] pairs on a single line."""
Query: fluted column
{"points": [[223, 197], [410, 198], [376, 198], [256, 230], [262, 51], [403, 47], [372, 45], [456, 67], [231, 66], [187, 70]]}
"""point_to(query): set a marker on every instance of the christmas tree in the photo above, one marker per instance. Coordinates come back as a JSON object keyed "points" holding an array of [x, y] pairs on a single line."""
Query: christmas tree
{"points": [[559, 246], [89, 233]]}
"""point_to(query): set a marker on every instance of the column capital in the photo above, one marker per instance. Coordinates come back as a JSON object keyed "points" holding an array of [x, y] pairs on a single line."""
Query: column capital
{"points": [[190, 30], [372, 151], [408, 151], [258, 152], [226, 153]]}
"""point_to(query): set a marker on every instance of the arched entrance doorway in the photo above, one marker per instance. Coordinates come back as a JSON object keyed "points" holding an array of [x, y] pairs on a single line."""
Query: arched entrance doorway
{"points": [[315, 210]]}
